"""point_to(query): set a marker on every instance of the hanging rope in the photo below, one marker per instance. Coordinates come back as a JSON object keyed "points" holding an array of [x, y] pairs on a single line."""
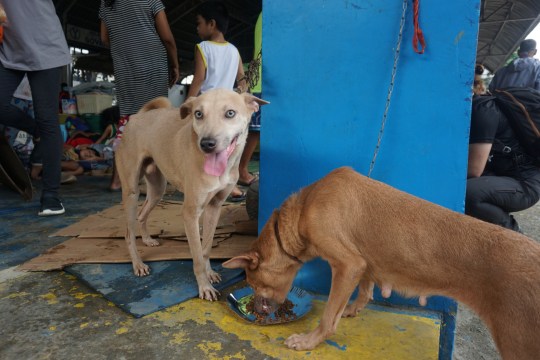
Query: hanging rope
{"points": [[418, 34], [252, 73], [390, 88]]}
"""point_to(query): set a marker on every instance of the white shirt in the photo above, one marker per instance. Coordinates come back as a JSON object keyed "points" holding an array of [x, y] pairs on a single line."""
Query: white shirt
{"points": [[221, 62]]}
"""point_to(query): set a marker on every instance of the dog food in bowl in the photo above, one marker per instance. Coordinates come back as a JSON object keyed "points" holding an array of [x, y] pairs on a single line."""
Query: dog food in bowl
{"points": [[297, 304]]}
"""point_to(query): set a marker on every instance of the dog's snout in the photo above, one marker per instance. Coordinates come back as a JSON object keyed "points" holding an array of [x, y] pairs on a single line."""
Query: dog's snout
{"points": [[208, 144]]}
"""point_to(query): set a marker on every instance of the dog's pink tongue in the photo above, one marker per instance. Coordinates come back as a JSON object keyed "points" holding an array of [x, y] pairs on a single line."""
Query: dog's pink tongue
{"points": [[215, 164]]}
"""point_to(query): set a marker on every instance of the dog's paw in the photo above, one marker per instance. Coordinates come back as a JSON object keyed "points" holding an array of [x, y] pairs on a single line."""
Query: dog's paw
{"points": [[213, 277], [208, 293], [351, 310], [150, 242], [141, 269], [300, 342]]}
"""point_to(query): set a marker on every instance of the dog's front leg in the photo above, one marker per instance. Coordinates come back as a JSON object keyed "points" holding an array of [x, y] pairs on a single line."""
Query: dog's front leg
{"points": [[210, 220], [191, 223], [345, 276]]}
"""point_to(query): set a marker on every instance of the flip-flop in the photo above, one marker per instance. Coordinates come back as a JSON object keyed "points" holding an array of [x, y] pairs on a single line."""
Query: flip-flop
{"points": [[237, 198], [244, 183]]}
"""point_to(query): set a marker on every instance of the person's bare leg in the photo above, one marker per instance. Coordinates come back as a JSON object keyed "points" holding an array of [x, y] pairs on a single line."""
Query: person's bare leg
{"points": [[115, 180], [251, 144]]}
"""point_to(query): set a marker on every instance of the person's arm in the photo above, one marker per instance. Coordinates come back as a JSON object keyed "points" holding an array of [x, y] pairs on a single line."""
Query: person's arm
{"points": [[198, 75], [105, 135], [166, 36], [478, 157], [104, 34], [537, 80], [241, 82]]}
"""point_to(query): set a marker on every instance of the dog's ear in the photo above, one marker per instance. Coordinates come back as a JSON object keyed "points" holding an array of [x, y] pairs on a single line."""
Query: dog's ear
{"points": [[186, 108], [253, 102], [247, 261]]}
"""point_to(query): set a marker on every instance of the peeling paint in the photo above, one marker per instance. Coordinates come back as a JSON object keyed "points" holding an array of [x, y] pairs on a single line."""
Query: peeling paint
{"points": [[122, 330], [458, 37], [16, 295], [50, 298], [238, 356], [178, 338], [210, 349], [336, 345], [82, 296]]}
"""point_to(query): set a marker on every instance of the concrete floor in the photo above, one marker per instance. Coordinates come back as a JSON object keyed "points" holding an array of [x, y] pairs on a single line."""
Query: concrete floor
{"points": [[54, 316]]}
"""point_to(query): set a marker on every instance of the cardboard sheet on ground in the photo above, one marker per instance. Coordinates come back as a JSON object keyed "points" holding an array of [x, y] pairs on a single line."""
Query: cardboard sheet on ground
{"points": [[98, 238], [97, 254], [169, 283]]}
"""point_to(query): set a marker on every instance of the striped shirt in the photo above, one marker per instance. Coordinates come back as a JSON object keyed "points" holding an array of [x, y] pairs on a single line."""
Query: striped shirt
{"points": [[139, 56], [221, 62]]}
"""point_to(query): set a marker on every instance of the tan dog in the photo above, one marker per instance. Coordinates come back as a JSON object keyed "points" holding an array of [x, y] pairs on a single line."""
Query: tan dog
{"points": [[197, 149], [372, 233]]}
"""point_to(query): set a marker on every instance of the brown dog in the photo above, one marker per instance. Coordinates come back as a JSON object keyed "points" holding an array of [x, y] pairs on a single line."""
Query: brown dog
{"points": [[372, 233], [197, 149]]}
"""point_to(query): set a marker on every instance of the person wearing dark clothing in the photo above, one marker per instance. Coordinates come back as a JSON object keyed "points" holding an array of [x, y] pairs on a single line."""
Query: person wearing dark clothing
{"points": [[501, 177], [522, 72], [34, 45]]}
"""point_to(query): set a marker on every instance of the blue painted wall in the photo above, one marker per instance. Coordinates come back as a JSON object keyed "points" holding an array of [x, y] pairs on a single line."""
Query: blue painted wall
{"points": [[326, 71]]}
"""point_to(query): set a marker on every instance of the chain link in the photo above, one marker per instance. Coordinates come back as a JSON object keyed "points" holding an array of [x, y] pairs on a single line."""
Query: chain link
{"points": [[390, 88]]}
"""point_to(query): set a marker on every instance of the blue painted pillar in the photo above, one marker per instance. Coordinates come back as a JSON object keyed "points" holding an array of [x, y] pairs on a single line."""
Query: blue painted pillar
{"points": [[327, 70]]}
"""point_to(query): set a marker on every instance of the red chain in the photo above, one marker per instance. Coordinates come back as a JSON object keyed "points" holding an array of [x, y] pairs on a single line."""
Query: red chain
{"points": [[418, 34]]}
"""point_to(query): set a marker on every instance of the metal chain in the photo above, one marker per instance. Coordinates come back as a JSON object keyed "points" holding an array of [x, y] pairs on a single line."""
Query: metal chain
{"points": [[390, 88]]}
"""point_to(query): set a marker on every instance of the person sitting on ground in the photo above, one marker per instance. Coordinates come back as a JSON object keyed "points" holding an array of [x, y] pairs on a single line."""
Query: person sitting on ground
{"points": [[109, 120], [522, 72], [501, 177]]}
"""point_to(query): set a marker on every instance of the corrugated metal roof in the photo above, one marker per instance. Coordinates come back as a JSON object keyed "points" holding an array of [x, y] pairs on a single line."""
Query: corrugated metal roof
{"points": [[503, 25]]}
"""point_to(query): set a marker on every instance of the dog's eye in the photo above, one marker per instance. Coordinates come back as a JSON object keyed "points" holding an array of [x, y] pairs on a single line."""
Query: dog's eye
{"points": [[198, 114], [230, 113]]}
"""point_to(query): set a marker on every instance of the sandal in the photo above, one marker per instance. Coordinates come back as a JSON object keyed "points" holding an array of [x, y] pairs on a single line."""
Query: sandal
{"points": [[237, 198], [245, 183]]}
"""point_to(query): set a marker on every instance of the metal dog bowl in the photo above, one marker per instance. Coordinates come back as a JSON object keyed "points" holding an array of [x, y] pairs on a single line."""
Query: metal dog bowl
{"points": [[300, 299]]}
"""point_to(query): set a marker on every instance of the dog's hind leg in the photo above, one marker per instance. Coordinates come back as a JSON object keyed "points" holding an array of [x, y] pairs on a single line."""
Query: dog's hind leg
{"points": [[130, 197], [155, 188], [365, 293]]}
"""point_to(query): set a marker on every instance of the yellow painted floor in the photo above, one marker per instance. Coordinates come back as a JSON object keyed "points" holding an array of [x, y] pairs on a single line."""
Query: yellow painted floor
{"points": [[376, 333]]}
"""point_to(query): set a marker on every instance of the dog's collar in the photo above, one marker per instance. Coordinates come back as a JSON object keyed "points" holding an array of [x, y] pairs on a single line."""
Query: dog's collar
{"points": [[278, 238]]}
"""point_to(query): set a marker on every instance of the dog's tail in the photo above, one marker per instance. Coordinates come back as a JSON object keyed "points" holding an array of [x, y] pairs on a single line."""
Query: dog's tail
{"points": [[157, 103]]}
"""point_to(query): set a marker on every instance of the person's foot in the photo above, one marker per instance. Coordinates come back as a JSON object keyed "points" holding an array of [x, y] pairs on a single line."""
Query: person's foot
{"points": [[515, 225], [35, 171], [236, 195], [51, 205], [115, 186], [248, 179], [67, 178]]}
